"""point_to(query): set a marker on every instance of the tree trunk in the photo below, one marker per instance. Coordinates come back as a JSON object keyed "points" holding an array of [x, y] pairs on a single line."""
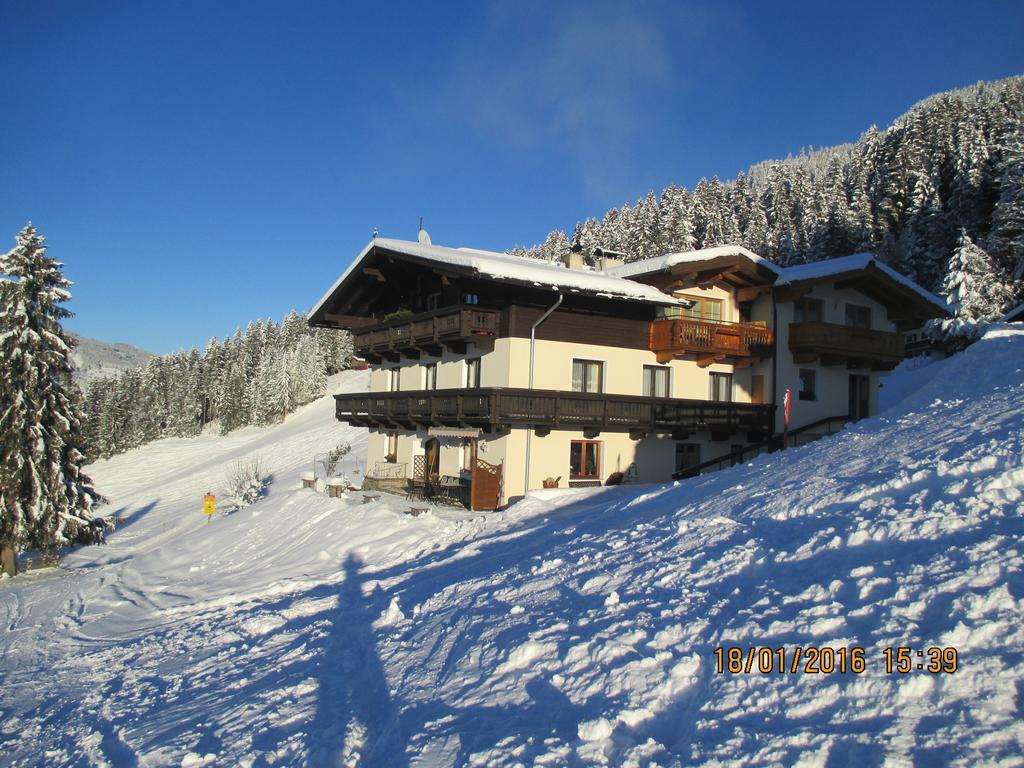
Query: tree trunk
{"points": [[8, 560]]}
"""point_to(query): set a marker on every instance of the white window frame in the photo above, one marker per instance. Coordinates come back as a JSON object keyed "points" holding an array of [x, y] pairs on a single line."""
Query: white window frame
{"points": [[643, 376], [712, 376]]}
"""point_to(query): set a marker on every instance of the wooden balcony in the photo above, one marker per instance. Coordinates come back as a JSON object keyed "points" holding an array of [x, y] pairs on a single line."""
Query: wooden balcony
{"points": [[833, 344], [497, 408], [450, 327], [710, 342]]}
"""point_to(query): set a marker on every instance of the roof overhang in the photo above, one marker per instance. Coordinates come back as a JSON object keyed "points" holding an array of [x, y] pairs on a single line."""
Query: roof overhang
{"points": [[733, 265], [907, 304], [369, 272]]}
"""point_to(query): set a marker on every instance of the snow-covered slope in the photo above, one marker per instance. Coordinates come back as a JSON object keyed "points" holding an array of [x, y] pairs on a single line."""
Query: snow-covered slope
{"points": [[573, 629]]}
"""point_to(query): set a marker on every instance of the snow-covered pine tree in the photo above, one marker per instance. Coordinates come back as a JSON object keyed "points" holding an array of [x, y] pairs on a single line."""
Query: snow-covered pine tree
{"points": [[644, 234], [211, 373], [273, 392], [45, 498], [973, 291], [676, 211], [1006, 238], [336, 349], [309, 375]]}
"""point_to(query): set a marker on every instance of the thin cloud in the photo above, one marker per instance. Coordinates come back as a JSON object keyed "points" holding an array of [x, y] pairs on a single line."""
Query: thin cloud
{"points": [[579, 77]]}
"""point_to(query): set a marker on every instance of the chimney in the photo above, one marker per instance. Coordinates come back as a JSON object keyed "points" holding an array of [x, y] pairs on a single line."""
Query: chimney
{"points": [[574, 258], [607, 259]]}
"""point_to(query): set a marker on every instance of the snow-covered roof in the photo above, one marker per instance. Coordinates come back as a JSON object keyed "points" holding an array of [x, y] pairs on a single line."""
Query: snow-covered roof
{"points": [[845, 264], [1014, 315], [501, 266], [666, 262]]}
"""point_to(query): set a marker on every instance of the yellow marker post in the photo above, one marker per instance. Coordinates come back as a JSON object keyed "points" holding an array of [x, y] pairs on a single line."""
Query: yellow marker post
{"points": [[209, 505]]}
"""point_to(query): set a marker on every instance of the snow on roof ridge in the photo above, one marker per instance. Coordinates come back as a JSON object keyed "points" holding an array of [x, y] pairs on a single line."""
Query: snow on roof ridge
{"points": [[660, 263], [855, 261]]}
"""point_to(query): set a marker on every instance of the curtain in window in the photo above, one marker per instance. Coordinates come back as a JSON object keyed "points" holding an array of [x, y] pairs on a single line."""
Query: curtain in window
{"points": [[655, 381]]}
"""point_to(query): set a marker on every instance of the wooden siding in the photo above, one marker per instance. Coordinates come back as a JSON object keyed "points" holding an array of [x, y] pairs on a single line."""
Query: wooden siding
{"points": [[579, 327]]}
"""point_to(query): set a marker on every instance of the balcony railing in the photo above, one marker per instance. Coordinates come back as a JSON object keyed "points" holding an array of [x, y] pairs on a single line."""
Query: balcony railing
{"points": [[833, 343], [710, 341], [496, 408], [425, 331], [388, 470]]}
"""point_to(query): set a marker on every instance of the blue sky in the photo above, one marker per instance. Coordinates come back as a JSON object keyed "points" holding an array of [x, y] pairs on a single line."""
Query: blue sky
{"points": [[197, 165]]}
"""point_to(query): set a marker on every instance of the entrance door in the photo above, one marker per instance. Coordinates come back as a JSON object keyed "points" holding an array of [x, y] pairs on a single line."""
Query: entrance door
{"points": [[860, 397], [432, 459]]}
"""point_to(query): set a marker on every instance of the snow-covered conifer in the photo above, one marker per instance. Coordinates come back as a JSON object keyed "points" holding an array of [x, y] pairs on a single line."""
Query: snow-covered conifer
{"points": [[45, 498], [973, 291]]}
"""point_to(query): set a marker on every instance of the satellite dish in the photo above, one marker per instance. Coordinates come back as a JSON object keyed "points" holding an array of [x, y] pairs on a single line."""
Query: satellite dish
{"points": [[424, 238]]}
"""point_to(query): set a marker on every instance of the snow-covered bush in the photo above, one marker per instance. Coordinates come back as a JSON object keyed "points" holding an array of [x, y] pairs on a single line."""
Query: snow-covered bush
{"points": [[247, 481]]}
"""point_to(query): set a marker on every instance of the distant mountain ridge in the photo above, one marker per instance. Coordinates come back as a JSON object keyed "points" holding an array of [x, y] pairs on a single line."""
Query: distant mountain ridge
{"points": [[95, 359]]}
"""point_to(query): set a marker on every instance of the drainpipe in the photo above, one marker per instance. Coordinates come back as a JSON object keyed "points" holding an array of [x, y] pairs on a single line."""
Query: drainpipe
{"points": [[533, 343]]}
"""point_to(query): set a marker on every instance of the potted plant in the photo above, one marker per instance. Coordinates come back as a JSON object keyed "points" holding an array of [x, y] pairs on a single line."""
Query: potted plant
{"points": [[551, 482]]}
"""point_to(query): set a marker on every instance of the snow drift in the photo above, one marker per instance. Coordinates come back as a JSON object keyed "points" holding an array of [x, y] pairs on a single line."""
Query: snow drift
{"points": [[576, 628]]}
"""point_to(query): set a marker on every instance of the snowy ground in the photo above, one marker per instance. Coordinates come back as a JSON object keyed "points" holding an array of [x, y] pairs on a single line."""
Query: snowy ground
{"points": [[574, 629]]}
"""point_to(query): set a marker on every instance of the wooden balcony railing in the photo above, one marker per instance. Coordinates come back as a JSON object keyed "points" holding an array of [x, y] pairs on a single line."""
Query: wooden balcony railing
{"points": [[709, 341], [425, 331], [497, 408], [834, 344]]}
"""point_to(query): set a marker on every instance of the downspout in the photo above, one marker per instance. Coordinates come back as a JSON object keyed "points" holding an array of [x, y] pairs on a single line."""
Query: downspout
{"points": [[533, 344]]}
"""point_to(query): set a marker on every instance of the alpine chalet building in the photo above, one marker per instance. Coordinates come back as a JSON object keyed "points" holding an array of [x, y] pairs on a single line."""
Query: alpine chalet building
{"points": [[493, 374]]}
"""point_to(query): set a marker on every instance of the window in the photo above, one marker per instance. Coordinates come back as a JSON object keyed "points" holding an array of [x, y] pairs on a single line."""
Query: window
{"points": [[709, 310], [432, 301], [687, 455], [721, 387], [430, 376], [587, 376], [858, 316], [391, 443], [807, 385], [655, 381], [807, 311], [473, 373], [585, 460], [467, 455], [393, 379]]}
